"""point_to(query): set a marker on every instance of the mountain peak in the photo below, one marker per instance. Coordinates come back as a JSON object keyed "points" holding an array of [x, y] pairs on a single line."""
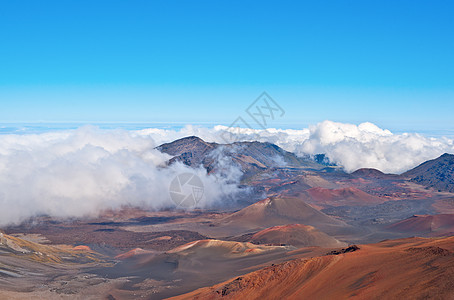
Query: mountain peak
{"points": [[187, 139], [182, 145], [191, 138], [251, 157], [368, 172]]}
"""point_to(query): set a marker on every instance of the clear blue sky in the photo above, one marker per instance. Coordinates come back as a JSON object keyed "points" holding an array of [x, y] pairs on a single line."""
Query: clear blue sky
{"points": [[389, 62]]}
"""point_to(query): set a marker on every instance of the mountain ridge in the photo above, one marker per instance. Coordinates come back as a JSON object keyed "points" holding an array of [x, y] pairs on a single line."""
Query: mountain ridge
{"points": [[437, 173], [251, 156]]}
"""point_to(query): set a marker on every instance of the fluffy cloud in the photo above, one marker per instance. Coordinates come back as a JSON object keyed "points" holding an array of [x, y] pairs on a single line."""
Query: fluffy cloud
{"points": [[82, 172], [368, 146]]}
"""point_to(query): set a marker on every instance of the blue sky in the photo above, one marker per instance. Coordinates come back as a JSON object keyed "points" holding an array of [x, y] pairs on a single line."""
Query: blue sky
{"points": [[206, 61]]}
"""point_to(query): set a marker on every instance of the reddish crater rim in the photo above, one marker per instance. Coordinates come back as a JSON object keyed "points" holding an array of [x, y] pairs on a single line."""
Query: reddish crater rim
{"points": [[283, 228]]}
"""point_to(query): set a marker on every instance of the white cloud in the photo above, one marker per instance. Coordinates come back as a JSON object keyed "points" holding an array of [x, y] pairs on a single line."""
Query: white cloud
{"points": [[368, 146], [81, 172]]}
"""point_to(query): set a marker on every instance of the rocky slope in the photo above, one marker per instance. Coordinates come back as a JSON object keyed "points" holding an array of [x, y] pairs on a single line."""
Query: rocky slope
{"points": [[437, 173], [251, 157], [422, 225], [414, 268]]}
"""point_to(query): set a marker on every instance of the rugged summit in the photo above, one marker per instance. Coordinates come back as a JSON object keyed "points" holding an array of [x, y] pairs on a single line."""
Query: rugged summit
{"points": [[252, 157]]}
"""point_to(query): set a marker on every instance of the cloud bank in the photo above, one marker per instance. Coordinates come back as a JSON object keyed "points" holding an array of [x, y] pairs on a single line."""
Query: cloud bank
{"points": [[368, 146], [77, 173], [81, 172]]}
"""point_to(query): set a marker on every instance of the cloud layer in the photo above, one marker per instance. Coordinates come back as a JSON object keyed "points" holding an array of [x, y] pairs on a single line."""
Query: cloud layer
{"points": [[368, 146], [81, 172], [76, 173]]}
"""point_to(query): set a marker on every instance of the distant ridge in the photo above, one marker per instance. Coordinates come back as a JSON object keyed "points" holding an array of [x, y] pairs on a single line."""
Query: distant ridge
{"points": [[295, 235], [437, 173], [373, 173], [441, 224]]}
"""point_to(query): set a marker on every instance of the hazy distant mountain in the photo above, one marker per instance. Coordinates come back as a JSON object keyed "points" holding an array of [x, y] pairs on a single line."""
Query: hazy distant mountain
{"points": [[437, 173], [250, 156]]}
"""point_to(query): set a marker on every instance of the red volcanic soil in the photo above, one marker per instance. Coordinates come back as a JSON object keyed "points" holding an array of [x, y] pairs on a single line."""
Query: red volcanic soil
{"points": [[281, 210], [82, 247], [218, 248], [132, 253], [295, 235], [349, 196], [414, 268], [109, 234], [442, 224]]}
